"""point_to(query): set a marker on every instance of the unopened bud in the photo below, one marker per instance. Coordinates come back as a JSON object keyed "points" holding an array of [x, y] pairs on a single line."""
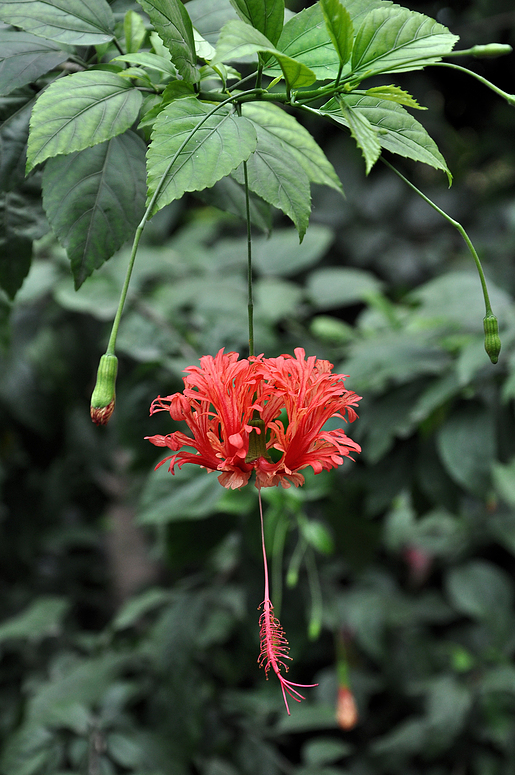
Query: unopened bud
{"points": [[491, 50], [346, 710], [104, 394], [492, 338]]}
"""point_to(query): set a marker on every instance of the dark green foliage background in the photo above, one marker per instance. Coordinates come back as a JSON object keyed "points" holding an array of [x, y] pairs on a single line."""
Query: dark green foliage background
{"points": [[134, 651]]}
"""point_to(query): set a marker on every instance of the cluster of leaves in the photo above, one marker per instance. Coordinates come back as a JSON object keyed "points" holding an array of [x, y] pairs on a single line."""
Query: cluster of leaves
{"points": [[84, 89]]}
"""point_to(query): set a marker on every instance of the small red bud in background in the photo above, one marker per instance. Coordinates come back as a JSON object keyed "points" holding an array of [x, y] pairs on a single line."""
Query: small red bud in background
{"points": [[346, 710], [419, 563]]}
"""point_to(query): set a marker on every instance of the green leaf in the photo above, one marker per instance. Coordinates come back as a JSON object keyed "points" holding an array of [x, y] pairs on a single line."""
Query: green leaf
{"points": [[82, 682], [504, 479], [238, 39], [305, 38], [24, 58], [94, 200], [228, 195], [466, 445], [75, 22], [336, 287], [276, 299], [135, 608], [281, 255], [364, 133], [340, 28], [173, 24], [188, 494], [14, 132], [480, 589], [80, 111], [216, 143], [358, 9], [325, 750], [173, 91], [23, 213], [99, 297], [40, 620], [397, 40], [152, 61], [267, 16], [19, 226], [209, 16], [15, 260], [455, 300], [276, 175], [393, 357], [203, 48], [297, 142], [124, 750], [134, 30], [395, 94], [397, 130]]}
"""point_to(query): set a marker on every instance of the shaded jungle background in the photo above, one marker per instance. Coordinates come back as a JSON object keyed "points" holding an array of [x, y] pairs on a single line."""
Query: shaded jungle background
{"points": [[129, 632]]}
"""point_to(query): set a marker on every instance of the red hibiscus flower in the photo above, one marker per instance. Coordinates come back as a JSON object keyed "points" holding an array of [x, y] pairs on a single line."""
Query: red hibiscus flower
{"points": [[239, 411]]}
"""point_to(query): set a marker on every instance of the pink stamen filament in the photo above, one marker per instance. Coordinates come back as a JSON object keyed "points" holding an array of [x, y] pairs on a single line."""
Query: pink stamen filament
{"points": [[274, 645]]}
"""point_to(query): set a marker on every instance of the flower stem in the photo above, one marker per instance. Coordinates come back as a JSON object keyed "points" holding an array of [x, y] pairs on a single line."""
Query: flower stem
{"points": [[250, 294], [510, 98], [265, 564], [457, 225], [490, 323]]}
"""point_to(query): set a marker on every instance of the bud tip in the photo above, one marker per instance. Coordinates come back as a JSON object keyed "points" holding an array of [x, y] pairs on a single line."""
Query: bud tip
{"points": [[104, 396], [492, 338]]}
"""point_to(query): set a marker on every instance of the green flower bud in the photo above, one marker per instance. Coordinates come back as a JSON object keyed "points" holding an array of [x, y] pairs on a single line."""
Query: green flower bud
{"points": [[492, 338], [491, 50], [104, 395]]}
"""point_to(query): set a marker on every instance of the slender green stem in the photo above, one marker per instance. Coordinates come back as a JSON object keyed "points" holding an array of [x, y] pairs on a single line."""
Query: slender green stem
{"points": [[120, 49], [259, 74], [250, 294], [457, 225], [315, 619], [510, 98], [242, 81], [148, 212], [339, 74]]}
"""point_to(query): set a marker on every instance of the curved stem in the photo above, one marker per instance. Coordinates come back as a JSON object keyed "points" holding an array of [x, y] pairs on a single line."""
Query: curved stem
{"points": [[510, 98], [457, 225]]}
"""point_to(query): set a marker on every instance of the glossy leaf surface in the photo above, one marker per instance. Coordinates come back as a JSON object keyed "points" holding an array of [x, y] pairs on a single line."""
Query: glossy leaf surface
{"points": [[94, 199], [76, 22], [80, 111], [216, 142]]}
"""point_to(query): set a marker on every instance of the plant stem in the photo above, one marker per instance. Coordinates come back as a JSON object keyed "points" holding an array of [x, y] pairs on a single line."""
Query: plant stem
{"points": [[250, 295], [457, 225], [265, 564], [510, 98]]}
